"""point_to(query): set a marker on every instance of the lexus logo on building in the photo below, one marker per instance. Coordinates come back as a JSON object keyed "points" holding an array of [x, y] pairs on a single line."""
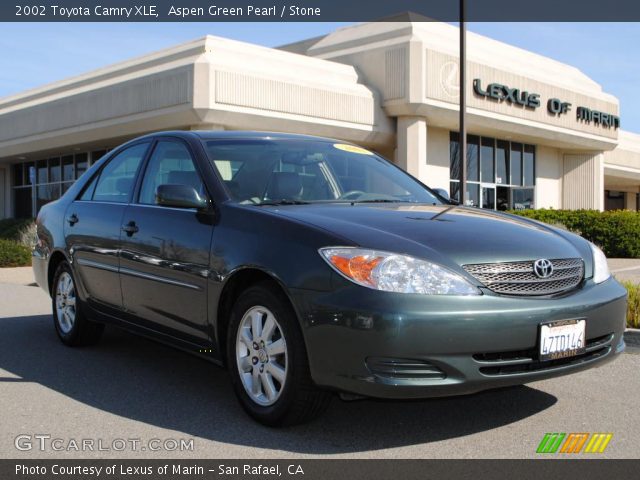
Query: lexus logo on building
{"points": [[449, 79], [543, 268]]}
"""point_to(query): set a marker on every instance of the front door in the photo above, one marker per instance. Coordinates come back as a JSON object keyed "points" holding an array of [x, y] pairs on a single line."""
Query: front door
{"points": [[165, 251]]}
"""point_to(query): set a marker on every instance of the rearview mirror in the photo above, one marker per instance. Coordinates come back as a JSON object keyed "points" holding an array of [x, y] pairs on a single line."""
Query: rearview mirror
{"points": [[179, 196]]}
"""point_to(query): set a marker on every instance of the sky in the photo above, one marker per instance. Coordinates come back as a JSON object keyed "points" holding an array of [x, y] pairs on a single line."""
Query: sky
{"points": [[37, 54]]}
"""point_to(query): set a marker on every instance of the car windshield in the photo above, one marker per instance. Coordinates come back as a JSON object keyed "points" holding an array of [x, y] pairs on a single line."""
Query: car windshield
{"points": [[267, 172]]}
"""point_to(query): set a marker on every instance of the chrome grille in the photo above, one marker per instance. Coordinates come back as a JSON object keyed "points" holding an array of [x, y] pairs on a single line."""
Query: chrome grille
{"points": [[518, 278]]}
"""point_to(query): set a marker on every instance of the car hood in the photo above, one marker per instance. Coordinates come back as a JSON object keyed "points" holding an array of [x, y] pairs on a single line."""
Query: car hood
{"points": [[459, 235]]}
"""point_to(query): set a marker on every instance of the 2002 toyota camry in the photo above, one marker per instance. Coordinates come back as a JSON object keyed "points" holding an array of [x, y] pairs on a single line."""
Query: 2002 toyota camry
{"points": [[307, 265]]}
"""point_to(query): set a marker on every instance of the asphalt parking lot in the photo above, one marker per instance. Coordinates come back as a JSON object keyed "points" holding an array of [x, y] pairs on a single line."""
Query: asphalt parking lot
{"points": [[131, 388]]}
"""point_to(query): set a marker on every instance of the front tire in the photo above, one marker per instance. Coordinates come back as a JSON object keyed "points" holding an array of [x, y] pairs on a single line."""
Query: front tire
{"points": [[72, 326], [268, 361]]}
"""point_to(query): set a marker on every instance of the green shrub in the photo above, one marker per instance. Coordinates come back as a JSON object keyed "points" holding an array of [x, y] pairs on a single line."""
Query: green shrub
{"points": [[13, 254], [11, 228], [633, 309], [617, 232]]}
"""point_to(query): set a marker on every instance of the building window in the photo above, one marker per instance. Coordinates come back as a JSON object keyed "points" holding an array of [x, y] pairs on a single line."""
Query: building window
{"points": [[613, 200], [500, 174], [38, 183], [23, 202], [68, 169], [42, 173], [502, 162], [487, 160]]}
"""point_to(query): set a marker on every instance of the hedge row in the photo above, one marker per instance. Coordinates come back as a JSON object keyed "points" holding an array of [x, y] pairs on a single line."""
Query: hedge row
{"points": [[617, 232], [11, 228], [14, 254], [633, 307]]}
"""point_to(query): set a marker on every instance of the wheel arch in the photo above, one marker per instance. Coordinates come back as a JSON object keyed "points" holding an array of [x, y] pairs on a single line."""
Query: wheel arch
{"points": [[236, 283], [56, 258]]}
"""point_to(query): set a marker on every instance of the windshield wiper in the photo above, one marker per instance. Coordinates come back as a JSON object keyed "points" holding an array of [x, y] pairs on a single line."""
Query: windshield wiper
{"points": [[381, 200], [284, 201]]}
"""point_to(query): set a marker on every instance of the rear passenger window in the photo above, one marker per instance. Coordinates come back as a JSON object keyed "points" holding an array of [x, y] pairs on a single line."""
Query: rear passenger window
{"points": [[170, 163], [115, 182]]}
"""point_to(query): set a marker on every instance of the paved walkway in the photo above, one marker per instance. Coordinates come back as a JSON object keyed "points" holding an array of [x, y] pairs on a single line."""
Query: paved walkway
{"points": [[17, 276], [625, 268]]}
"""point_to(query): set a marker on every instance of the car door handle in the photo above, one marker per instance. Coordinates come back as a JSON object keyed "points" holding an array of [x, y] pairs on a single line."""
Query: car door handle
{"points": [[130, 228], [72, 219]]}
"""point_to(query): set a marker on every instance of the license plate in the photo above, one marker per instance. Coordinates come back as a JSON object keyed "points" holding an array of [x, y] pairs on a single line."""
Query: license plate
{"points": [[562, 339]]}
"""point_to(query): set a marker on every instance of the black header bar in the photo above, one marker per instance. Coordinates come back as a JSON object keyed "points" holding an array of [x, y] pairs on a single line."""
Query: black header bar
{"points": [[193, 469], [316, 10]]}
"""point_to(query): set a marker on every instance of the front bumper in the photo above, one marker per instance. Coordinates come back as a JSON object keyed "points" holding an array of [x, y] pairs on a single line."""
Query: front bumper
{"points": [[391, 345]]}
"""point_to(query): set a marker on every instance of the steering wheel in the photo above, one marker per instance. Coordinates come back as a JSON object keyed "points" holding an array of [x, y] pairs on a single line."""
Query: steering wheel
{"points": [[352, 195]]}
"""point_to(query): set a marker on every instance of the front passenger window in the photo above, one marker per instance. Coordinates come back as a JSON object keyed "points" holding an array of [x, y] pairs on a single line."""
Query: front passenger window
{"points": [[117, 177], [170, 163]]}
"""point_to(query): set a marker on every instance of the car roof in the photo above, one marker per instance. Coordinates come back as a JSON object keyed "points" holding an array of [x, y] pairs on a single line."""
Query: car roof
{"points": [[242, 135]]}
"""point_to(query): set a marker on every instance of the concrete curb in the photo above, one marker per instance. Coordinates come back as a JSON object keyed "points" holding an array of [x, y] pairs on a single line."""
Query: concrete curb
{"points": [[632, 338]]}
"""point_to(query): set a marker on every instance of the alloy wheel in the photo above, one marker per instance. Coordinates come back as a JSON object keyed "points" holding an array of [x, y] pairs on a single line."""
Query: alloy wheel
{"points": [[65, 302], [261, 355]]}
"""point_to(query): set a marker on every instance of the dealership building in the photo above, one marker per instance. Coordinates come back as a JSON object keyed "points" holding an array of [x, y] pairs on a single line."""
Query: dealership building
{"points": [[541, 133]]}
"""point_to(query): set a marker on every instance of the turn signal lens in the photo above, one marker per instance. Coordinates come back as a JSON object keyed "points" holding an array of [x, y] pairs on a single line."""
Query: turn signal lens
{"points": [[358, 268], [393, 272]]}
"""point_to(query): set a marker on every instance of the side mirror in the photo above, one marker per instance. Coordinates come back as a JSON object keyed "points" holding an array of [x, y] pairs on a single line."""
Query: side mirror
{"points": [[443, 193], [179, 196]]}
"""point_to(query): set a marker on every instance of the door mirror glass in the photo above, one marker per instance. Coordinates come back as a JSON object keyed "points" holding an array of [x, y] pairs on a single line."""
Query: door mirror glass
{"points": [[442, 192], [179, 196]]}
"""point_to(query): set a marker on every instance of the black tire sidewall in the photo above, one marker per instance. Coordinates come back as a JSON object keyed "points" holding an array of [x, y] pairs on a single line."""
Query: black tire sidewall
{"points": [[272, 300]]}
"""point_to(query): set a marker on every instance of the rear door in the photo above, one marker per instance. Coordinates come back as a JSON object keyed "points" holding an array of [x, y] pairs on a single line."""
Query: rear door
{"points": [[165, 251], [93, 224]]}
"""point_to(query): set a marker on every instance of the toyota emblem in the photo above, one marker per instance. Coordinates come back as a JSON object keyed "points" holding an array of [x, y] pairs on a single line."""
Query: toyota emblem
{"points": [[543, 268]]}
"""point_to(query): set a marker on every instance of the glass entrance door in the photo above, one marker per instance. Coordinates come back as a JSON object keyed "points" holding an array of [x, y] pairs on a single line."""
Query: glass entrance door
{"points": [[488, 197]]}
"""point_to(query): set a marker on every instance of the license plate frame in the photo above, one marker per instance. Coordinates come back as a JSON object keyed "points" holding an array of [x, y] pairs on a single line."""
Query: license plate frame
{"points": [[562, 339]]}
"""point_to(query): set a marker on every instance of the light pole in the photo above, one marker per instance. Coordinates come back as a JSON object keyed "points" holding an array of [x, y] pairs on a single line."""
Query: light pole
{"points": [[462, 140]]}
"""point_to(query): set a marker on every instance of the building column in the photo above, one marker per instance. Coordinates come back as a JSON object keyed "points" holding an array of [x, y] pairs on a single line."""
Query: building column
{"points": [[583, 181], [411, 154], [4, 193], [630, 201]]}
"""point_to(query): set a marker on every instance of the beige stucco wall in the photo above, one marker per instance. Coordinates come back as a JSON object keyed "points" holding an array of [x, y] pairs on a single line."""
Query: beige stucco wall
{"points": [[549, 171], [439, 68], [437, 161], [622, 168], [414, 66], [583, 181], [210, 81]]}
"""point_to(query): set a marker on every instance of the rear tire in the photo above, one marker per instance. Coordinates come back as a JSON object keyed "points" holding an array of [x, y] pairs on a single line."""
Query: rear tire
{"points": [[72, 326], [273, 382]]}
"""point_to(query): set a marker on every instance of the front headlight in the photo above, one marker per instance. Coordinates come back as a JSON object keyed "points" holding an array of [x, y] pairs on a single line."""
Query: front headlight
{"points": [[600, 267], [392, 272]]}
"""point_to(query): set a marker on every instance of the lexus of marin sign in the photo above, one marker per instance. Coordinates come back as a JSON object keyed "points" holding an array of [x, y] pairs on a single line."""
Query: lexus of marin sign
{"points": [[555, 106]]}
